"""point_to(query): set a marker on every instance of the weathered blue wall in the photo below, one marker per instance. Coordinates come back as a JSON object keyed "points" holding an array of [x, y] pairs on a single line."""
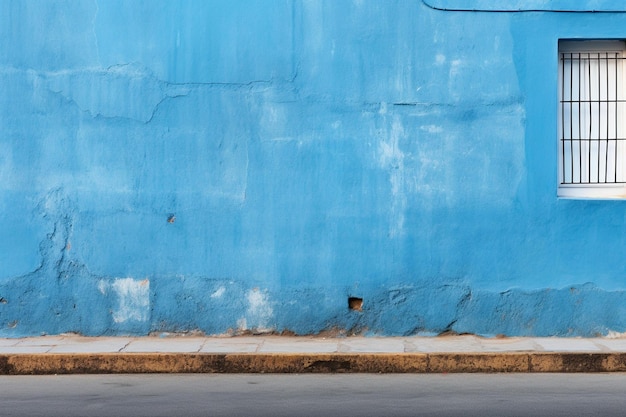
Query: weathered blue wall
{"points": [[227, 166]]}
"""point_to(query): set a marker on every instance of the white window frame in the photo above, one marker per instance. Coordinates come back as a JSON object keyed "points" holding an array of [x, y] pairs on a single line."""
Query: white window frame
{"points": [[592, 119]]}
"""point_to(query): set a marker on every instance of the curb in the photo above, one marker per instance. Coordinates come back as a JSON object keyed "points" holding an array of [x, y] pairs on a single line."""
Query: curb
{"points": [[132, 363]]}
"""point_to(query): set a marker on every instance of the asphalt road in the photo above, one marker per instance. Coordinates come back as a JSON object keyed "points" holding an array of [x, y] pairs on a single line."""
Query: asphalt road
{"points": [[315, 395]]}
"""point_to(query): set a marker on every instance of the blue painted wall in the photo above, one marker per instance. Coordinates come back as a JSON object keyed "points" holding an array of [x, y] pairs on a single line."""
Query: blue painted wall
{"points": [[172, 166]]}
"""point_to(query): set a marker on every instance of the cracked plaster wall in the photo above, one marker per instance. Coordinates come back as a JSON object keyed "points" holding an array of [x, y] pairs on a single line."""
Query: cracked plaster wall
{"points": [[172, 166]]}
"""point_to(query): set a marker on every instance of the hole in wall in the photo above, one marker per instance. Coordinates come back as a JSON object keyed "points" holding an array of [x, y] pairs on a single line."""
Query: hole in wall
{"points": [[171, 218], [355, 303]]}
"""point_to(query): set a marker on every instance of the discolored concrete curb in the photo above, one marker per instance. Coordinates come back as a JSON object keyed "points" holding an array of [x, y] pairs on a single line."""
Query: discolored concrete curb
{"points": [[116, 363]]}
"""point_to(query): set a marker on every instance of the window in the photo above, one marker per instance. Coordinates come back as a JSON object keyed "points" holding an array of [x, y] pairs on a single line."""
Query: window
{"points": [[592, 119]]}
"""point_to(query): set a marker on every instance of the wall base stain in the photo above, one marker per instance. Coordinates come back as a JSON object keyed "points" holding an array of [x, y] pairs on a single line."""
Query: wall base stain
{"points": [[42, 304]]}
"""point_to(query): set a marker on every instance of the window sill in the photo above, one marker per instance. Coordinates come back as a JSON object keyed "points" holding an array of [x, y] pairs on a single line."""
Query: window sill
{"points": [[593, 192], [526, 5]]}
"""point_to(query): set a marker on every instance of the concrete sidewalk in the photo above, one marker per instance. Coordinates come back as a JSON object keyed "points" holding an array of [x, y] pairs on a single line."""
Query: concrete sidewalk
{"points": [[288, 354]]}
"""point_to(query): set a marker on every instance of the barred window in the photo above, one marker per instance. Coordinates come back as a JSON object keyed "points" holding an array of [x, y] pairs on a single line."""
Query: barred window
{"points": [[592, 124]]}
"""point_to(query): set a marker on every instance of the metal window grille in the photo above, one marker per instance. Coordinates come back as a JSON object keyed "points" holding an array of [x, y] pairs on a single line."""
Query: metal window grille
{"points": [[592, 138]]}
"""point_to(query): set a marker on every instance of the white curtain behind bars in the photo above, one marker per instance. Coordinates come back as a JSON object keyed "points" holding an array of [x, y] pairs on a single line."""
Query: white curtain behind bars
{"points": [[589, 123]]}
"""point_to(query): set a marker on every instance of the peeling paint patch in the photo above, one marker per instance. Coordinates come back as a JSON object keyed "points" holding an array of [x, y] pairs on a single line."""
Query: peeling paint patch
{"points": [[143, 91], [218, 293], [103, 286], [242, 324], [432, 129], [133, 298], [259, 312]]}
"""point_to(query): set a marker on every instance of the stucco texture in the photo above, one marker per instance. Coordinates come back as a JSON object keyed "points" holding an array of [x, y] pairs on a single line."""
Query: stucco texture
{"points": [[246, 166]]}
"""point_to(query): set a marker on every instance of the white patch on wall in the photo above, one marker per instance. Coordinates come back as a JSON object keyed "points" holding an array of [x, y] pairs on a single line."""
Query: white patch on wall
{"points": [[259, 312], [103, 286], [133, 298], [218, 293], [455, 79], [440, 59], [455, 67], [432, 128], [242, 324], [392, 159]]}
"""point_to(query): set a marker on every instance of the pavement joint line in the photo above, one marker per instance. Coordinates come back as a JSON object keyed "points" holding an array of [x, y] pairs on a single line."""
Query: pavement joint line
{"points": [[120, 350], [600, 347], [204, 342]]}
